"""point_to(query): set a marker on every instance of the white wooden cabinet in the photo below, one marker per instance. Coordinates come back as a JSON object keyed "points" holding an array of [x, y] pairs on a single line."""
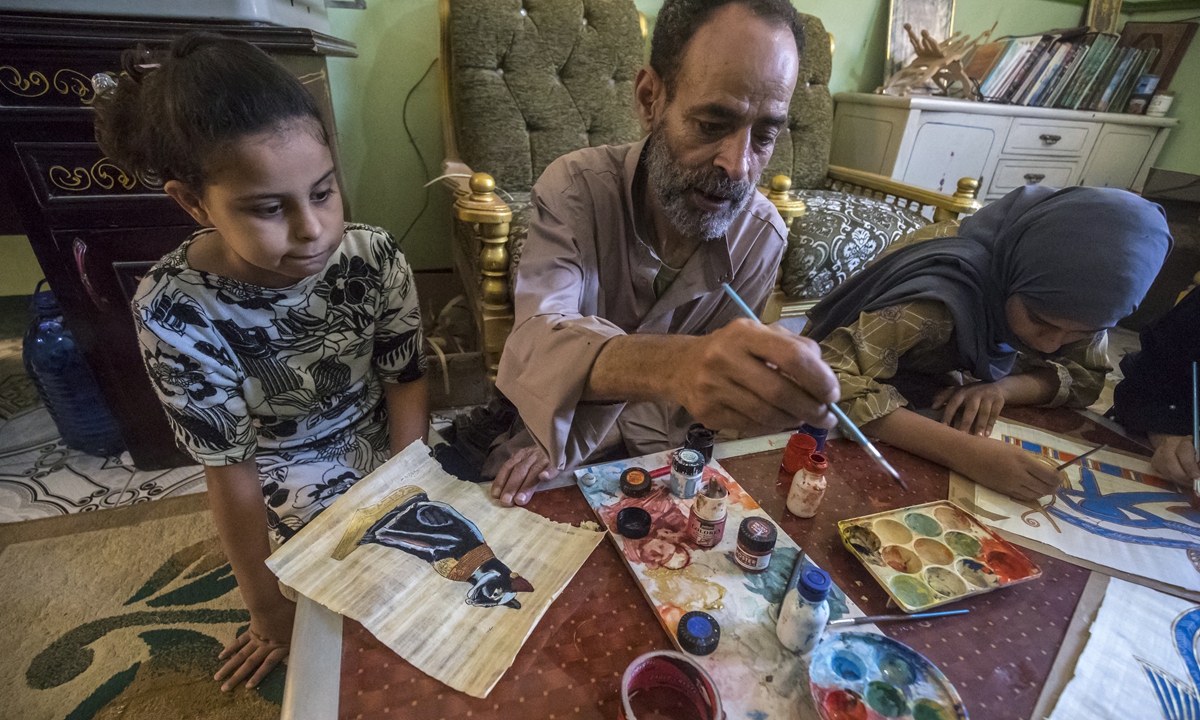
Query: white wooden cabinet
{"points": [[932, 142]]}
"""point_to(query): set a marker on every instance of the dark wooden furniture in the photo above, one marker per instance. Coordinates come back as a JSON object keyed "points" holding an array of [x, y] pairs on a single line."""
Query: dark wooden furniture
{"points": [[94, 227], [999, 656]]}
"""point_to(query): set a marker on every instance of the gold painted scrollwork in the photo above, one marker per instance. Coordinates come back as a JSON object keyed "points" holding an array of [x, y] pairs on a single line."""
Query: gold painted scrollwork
{"points": [[12, 81], [66, 82], [73, 82], [102, 173], [76, 180]]}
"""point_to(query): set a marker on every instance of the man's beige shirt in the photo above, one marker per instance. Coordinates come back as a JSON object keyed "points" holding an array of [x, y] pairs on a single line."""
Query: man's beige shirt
{"points": [[586, 275]]}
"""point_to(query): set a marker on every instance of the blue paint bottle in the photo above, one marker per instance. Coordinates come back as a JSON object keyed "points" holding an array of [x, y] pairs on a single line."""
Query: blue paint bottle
{"points": [[805, 611]]}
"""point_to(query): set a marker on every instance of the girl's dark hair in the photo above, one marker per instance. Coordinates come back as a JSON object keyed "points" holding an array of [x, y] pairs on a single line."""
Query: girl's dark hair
{"points": [[171, 108]]}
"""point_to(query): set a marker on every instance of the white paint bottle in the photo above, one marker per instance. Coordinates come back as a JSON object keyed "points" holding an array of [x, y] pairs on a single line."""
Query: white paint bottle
{"points": [[808, 487], [805, 611]]}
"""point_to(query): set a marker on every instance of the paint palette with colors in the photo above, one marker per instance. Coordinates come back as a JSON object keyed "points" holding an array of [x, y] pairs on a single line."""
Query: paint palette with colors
{"points": [[932, 554], [863, 676]]}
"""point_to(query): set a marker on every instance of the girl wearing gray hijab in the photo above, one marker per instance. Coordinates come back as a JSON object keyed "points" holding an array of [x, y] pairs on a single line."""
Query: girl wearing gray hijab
{"points": [[1011, 311]]}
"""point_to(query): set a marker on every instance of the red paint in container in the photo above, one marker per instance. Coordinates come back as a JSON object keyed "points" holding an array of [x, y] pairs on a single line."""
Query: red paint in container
{"points": [[844, 705], [795, 456], [666, 685]]}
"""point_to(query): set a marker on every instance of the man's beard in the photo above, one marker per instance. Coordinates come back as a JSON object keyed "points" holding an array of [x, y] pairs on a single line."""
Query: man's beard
{"points": [[673, 183]]}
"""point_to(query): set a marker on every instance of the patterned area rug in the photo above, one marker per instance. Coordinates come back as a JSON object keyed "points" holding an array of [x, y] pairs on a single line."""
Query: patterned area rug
{"points": [[41, 477], [137, 639]]}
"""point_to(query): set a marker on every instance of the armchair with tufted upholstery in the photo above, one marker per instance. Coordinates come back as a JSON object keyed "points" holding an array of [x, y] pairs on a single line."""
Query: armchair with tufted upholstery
{"points": [[526, 81]]}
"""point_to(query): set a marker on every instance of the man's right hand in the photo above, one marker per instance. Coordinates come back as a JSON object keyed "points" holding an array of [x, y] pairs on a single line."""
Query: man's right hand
{"points": [[755, 379]]}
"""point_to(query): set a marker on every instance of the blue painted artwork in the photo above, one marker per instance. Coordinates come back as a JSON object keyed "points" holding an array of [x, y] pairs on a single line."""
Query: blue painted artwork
{"points": [[1156, 517], [1179, 699]]}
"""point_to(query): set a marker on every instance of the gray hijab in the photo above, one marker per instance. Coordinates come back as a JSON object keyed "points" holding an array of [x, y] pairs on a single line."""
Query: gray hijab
{"points": [[1082, 254]]}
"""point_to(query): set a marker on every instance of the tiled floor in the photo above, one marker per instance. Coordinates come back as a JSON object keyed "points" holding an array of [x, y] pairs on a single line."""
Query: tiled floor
{"points": [[41, 477]]}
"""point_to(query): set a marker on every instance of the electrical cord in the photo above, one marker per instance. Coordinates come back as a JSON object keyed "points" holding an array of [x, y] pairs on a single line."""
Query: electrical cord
{"points": [[420, 156]]}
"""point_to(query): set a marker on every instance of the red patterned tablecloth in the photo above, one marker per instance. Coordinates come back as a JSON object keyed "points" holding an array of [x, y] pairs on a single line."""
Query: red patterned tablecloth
{"points": [[998, 656]]}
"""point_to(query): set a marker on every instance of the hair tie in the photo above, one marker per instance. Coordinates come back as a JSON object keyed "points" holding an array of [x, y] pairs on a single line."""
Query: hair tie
{"points": [[103, 82]]}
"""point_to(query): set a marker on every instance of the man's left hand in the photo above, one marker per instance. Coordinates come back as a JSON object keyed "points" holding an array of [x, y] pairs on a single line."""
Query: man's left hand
{"points": [[520, 474]]}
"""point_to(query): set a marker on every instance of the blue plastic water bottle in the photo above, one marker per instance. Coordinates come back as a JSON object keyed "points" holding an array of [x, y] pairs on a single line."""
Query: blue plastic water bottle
{"points": [[65, 383]]}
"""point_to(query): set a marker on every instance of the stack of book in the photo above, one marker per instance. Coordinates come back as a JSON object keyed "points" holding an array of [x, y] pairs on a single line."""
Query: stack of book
{"points": [[1073, 69]]}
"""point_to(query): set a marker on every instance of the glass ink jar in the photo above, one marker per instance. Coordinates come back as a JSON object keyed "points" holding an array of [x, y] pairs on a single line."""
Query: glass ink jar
{"points": [[687, 467], [755, 544]]}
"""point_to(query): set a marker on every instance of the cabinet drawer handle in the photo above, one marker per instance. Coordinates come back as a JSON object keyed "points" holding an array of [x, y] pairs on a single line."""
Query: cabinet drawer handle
{"points": [[1049, 139], [79, 248], [1034, 178]]}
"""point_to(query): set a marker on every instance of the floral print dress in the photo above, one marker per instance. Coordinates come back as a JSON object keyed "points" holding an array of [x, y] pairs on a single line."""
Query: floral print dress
{"points": [[289, 376]]}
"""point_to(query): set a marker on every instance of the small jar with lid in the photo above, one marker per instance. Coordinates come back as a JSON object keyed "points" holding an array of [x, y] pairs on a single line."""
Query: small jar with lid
{"points": [[700, 439], [795, 457], [808, 487], [818, 434], [635, 482], [687, 467], [755, 544]]}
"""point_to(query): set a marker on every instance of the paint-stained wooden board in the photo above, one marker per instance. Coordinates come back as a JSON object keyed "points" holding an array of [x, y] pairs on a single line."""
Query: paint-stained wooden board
{"points": [[756, 675]]}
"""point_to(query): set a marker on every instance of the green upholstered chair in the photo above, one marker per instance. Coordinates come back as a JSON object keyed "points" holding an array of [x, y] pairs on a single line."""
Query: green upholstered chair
{"points": [[525, 81]]}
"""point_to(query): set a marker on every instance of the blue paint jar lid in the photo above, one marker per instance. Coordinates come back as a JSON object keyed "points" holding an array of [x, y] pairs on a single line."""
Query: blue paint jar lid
{"points": [[698, 633], [814, 584]]}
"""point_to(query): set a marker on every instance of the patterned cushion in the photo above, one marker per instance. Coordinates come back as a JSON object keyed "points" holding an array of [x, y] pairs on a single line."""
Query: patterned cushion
{"points": [[517, 232], [838, 234]]}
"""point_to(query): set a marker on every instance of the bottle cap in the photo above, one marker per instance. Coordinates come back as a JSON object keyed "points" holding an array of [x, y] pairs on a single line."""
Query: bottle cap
{"points": [[687, 462], [818, 463], [698, 633], [633, 523], [700, 439], [814, 584], [757, 534], [635, 482], [795, 455]]}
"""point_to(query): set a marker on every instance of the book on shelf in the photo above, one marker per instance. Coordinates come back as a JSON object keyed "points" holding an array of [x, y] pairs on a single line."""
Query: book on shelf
{"points": [[1076, 69]]}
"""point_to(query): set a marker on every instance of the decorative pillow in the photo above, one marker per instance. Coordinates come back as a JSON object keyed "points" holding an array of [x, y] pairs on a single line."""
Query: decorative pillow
{"points": [[518, 230], [837, 236]]}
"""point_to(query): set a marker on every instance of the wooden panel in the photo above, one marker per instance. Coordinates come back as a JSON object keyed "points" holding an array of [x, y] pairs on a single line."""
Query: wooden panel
{"points": [[1050, 138], [861, 142], [1013, 173], [946, 151], [1120, 152]]}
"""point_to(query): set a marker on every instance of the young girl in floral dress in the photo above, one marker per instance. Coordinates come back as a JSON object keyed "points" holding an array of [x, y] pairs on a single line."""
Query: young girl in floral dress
{"points": [[284, 343]]}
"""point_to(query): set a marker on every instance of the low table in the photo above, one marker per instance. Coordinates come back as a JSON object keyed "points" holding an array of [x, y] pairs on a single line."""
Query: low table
{"points": [[999, 657]]}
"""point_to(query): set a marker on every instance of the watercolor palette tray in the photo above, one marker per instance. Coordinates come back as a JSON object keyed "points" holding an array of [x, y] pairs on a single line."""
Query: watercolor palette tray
{"points": [[755, 674], [862, 675], [933, 554]]}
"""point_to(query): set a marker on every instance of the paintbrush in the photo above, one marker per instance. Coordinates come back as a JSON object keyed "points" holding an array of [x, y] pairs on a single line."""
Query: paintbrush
{"points": [[846, 423], [894, 618], [1080, 457]]}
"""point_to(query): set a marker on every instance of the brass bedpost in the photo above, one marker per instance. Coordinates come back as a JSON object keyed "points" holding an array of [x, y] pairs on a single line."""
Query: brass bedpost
{"points": [[490, 218], [968, 189], [790, 208]]}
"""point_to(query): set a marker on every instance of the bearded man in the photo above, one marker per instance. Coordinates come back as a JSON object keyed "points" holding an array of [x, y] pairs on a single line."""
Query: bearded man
{"points": [[622, 335]]}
